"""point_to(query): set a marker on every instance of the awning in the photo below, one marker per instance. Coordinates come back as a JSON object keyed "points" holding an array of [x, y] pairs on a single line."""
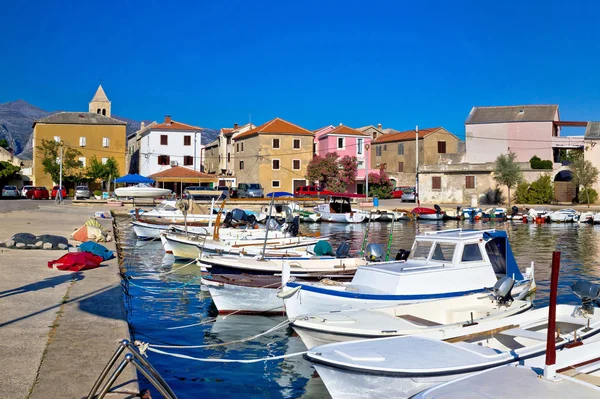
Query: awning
{"points": [[133, 179]]}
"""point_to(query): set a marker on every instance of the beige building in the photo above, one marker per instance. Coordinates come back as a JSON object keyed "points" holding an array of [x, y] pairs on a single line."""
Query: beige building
{"points": [[275, 154], [100, 104], [226, 150], [592, 147], [395, 152], [92, 134], [211, 157]]}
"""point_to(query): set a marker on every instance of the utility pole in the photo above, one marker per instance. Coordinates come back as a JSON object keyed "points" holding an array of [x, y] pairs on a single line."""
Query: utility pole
{"points": [[417, 166], [59, 197]]}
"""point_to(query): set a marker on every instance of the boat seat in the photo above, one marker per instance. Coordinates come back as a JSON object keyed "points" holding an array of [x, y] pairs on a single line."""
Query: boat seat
{"points": [[418, 320], [520, 332]]}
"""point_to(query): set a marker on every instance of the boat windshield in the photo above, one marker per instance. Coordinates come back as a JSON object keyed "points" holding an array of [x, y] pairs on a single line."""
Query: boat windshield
{"points": [[443, 252], [421, 250]]}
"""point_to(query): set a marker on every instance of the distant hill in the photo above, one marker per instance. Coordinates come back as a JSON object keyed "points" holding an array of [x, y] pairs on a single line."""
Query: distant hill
{"points": [[17, 117]]}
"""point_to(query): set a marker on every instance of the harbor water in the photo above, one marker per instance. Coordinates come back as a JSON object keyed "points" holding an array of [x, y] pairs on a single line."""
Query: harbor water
{"points": [[166, 306]]}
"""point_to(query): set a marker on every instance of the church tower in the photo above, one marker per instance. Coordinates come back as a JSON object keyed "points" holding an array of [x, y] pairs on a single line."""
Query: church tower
{"points": [[100, 103]]}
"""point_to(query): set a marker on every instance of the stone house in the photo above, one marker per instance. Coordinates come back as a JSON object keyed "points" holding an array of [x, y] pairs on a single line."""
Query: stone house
{"points": [[592, 147], [274, 154], [211, 157], [226, 150]]}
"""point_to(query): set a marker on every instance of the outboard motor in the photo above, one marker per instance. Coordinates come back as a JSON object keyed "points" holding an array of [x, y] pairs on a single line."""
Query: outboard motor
{"points": [[589, 294], [239, 215], [374, 253], [515, 210], [437, 208], [294, 227], [402, 254], [228, 220], [342, 250], [502, 290]]}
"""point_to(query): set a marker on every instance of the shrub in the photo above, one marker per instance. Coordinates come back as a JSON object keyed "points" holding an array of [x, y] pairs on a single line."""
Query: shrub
{"points": [[541, 191], [536, 163], [382, 192], [97, 193], [583, 195], [493, 196], [522, 193]]}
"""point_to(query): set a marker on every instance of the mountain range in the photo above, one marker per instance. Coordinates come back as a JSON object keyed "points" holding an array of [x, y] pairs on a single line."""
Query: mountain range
{"points": [[17, 117]]}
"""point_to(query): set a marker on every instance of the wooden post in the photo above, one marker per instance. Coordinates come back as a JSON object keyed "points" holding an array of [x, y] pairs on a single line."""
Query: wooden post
{"points": [[550, 368]]}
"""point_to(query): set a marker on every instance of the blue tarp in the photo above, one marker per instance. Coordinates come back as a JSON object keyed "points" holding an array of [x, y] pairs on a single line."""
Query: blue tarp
{"points": [[500, 241], [97, 249], [134, 179], [278, 194]]}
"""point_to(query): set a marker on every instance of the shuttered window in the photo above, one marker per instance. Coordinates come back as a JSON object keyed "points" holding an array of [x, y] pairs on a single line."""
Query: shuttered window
{"points": [[188, 160], [187, 140], [400, 166], [441, 147], [469, 181], [401, 149], [164, 139], [296, 164], [436, 183], [275, 164], [163, 160]]}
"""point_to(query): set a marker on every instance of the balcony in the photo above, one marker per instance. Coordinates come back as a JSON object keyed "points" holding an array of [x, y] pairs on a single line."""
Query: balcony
{"points": [[568, 142]]}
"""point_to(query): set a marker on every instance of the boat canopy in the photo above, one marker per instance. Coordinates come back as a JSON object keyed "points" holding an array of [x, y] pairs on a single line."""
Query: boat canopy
{"points": [[500, 254], [133, 178]]}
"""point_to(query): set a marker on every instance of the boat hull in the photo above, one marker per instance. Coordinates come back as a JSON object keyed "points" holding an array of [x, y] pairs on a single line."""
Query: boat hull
{"points": [[229, 298], [137, 192], [148, 231], [430, 216], [354, 217]]}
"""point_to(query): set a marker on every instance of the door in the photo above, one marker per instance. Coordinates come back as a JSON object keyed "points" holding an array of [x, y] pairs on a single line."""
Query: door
{"points": [[298, 183], [360, 188]]}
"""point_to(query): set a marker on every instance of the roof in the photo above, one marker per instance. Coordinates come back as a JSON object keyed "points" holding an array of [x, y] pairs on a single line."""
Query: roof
{"points": [[79, 118], [345, 130], [174, 125], [276, 126], [323, 128], [100, 95], [181, 172], [405, 136], [141, 130], [517, 113], [592, 131]]}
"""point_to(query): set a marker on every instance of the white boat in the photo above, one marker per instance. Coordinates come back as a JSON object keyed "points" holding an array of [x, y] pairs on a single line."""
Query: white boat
{"points": [[442, 264], [578, 376], [596, 218], [587, 217], [147, 231], [422, 213], [142, 191], [564, 215], [411, 319], [400, 367], [337, 209]]}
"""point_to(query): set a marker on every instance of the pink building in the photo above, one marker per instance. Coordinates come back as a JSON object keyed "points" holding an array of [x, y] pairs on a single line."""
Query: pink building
{"points": [[345, 141], [526, 130]]}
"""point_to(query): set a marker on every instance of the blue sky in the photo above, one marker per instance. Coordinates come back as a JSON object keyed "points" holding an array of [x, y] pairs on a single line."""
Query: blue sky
{"points": [[313, 63]]}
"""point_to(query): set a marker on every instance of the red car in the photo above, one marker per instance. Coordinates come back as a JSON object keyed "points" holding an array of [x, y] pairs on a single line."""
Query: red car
{"points": [[397, 193], [311, 191], [38, 193], [55, 192]]}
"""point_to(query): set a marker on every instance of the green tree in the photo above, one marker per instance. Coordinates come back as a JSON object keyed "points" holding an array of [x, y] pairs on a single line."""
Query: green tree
{"points": [[8, 171], [104, 172], [584, 174], [541, 191], [507, 171], [380, 185], [4, 144], [72, 169]]}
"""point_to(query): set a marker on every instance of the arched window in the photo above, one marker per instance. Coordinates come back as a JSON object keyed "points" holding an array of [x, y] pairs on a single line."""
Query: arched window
{"points": [[99, 111], [104, 112]]}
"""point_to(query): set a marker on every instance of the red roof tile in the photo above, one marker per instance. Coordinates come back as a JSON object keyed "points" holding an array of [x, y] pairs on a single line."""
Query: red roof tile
{"points": [[180, 172], [404, 136], [169, 124], [276, 126], [343, 129]]}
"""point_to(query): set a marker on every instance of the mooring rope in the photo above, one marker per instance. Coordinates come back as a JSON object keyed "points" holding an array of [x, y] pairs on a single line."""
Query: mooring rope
{"points": [[179, 268], [158, 290], [198, 359]]}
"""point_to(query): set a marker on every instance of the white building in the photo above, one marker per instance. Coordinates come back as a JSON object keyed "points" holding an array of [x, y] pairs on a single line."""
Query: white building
{"points": [[168, 144]]}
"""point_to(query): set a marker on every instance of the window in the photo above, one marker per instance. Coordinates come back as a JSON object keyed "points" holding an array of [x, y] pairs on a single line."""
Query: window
{"points": [[188, 160], [401, 149], [275, 164], [296, 164], [105, 142], [164, 159], [164, 139], [340, 142], [436, 183], [469, 181], [187, 140], [443, 252], [315, 148], [441, 147], [104, 112], [104, 161], [242, 146], [237, 147], [82, 162], [228, 157], [275, 183], [400, 166], [385, 147], [241, 165], [359, 146], [420, 250], [296, 144], [275, 143], [471, 253], [378, 151], [82, 141]]}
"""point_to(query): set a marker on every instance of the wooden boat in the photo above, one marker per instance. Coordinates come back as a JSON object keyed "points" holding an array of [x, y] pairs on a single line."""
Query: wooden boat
{"points": [[442, 264], [142, 191], [400, 367], [337, 209]]}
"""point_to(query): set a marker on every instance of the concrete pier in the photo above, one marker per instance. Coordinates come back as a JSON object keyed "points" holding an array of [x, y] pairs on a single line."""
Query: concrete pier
{"points": [[57, 329]]}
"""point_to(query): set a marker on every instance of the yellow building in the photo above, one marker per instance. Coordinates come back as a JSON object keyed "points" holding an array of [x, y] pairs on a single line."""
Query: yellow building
{"points": [[275, 154], [92, 134]]}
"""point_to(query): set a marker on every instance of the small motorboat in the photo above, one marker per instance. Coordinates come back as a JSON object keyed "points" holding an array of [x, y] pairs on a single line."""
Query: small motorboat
{"points": [[142, 191], [471, 213], [564, 215], [423, 213], [337, 209], [596, 218], [494, 215]]}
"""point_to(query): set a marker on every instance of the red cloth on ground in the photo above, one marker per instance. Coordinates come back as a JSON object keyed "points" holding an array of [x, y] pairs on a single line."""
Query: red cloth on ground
{"points": [[76, 261]]}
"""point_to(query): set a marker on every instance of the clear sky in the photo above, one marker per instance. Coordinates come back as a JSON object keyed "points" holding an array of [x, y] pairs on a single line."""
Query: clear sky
{"points": [[213, 63]]}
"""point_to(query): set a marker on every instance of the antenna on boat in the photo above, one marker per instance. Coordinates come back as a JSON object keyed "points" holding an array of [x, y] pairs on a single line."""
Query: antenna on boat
{"points": [[550, 367]]}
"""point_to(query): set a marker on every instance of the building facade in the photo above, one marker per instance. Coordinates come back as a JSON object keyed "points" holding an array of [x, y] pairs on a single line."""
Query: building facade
{"points": [[396, 152], [346, 141], [211, 157], [226, 150], [274, 154], [133, 147], [168, 144], [100, 103]]}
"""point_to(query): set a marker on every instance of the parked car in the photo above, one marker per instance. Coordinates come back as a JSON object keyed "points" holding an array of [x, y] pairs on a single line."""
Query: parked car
{"points": [[25, 189], [55, 192], [250, 190], [397, 193], [82, 192], [224, 192], [11, 191], [408, 195], [311, 191], [38, 193], [233, 192]]}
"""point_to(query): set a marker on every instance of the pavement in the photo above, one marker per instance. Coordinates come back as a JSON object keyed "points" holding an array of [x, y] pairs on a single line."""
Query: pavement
{"points": [[57, 329]]}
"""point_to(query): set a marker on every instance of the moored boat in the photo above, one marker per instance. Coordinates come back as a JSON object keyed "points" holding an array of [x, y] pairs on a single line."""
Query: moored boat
{"points": [[142, 191], [423, 213], [337, 209]]}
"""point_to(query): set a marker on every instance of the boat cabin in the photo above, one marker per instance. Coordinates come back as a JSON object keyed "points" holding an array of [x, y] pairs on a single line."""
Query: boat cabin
{"points": [[335, 204]]}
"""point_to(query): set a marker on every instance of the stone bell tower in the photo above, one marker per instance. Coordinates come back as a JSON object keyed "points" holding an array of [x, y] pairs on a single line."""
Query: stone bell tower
{"points": [[100, 103]]}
